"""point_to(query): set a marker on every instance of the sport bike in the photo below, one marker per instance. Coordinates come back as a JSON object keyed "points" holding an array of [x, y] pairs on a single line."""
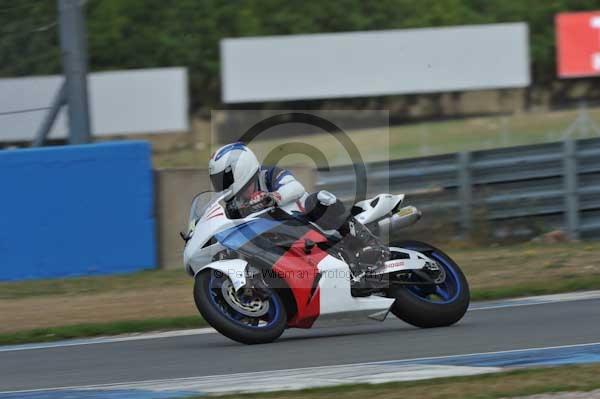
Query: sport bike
{"points": [[261, 272]]}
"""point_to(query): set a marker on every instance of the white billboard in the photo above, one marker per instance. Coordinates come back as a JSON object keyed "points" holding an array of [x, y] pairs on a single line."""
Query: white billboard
{"points": [[374, 63], [121, 102]]}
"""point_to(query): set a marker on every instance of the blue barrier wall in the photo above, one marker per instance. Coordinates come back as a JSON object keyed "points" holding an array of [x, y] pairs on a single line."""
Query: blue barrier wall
{"points": [[76, 210]]}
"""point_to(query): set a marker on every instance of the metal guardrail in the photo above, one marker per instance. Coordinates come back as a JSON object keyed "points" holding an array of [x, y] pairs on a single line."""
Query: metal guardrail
{"points": [[553, 185]]}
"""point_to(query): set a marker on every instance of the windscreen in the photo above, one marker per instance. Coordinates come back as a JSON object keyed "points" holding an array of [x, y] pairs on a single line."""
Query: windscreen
{"points": [[200, 203]]}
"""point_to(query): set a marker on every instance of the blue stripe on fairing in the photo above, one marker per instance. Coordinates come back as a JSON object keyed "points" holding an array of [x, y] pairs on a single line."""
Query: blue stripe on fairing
{"points": [[229, 147], [523, 358], [98, 393], [235, 237]]}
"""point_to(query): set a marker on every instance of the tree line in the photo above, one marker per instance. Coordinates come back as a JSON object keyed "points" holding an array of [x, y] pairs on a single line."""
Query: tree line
{"points": [[158, 33]]}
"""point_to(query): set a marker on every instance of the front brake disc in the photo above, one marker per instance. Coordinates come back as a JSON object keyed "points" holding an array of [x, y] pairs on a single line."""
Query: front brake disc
{"points": [[252, 307]]}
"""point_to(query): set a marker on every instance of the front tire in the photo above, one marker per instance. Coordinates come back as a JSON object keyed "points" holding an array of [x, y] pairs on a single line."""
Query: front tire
{"points": [[220, 314], [416, 305]]}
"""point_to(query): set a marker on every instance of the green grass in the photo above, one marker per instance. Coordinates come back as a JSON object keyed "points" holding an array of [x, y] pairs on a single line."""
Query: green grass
{"points": [[568, 284], [409, 140], [488, 386], [100, 329], [493, 273], [93, 284], [137, 326]]}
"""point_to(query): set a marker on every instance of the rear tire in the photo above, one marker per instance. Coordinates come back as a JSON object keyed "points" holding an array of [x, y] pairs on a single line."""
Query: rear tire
{"points": [[231, 328], [420, 311]]}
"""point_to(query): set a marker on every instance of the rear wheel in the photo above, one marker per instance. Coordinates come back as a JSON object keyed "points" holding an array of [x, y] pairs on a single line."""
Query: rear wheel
{"points": [[249, 320], [432, 305]]}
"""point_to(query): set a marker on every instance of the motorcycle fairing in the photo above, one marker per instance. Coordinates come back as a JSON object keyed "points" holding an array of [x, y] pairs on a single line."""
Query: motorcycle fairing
{"points": [[266, 238], [319, 282], [235, 237], [376, 208], [279, 240], [412, 260], [335, 290], [235, 269], [301, 273]]}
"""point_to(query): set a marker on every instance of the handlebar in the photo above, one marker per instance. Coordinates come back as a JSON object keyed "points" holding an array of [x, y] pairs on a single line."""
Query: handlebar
{"points": [[247, 208]]}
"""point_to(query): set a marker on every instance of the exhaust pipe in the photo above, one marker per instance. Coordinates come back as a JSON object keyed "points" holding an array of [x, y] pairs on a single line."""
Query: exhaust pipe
{"points": [[403, 218]]}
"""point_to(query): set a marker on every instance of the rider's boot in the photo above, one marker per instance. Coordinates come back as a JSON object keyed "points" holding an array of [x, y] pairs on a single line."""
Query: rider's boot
{"points": [[366, 250]]}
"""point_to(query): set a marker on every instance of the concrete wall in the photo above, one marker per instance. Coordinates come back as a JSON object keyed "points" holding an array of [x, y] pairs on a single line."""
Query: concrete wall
{"points": [[175, 189]]}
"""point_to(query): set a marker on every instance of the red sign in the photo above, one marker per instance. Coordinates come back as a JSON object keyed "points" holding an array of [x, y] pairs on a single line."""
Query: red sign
{"points": [[578, 44]]}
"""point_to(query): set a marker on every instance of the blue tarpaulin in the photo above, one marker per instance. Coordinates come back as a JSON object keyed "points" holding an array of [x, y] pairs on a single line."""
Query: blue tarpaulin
{"points": [[76, 210]]}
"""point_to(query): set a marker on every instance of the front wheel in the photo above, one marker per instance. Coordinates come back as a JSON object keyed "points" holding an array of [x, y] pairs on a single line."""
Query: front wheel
{"points": [[249, 320], [428, 306]]}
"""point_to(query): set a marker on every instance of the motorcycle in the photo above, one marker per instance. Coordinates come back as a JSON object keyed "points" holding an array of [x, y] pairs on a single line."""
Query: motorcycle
{"points": [[259, 273]]}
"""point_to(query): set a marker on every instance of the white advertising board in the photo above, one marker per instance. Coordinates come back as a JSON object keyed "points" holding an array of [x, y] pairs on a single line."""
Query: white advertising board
{"points": [[121, 102], [374, 63]]}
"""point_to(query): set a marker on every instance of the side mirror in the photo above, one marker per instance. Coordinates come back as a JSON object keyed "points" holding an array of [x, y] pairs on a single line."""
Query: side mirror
{"points": [[185, 237], [308, 246]]}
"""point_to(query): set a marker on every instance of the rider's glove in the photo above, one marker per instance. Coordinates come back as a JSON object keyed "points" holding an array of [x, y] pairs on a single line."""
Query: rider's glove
{"points": [[261, 200]]}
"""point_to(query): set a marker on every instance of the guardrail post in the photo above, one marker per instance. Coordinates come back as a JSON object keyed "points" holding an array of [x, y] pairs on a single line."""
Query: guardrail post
{"points": [[570, 189], [465, 192]]}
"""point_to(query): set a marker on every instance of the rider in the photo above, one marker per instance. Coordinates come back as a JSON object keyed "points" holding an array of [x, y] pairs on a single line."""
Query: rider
{"points": [[255, 187], [235, 167]]}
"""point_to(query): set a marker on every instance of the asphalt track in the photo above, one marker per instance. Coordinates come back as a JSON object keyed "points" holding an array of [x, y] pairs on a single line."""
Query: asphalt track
{"points": [[491, 327]]}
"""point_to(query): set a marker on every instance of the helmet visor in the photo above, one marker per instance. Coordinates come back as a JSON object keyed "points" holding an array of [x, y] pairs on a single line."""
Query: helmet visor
{"points": [[223, 180]]}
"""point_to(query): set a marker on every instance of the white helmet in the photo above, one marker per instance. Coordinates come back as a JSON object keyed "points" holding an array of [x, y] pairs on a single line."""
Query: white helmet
{"points": [[232, 167]]}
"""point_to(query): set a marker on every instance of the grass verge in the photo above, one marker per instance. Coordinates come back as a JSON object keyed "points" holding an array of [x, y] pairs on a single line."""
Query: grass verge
{"points": [[568, 284], [493, 273], [92, 284], [400, 141], [137, 326], [48, 310], [100, 329], [488, 386]]}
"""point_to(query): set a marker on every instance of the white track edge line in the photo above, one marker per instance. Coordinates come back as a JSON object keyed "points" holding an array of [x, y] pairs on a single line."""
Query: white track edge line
{"points": [[507, 303], [234, 375]]}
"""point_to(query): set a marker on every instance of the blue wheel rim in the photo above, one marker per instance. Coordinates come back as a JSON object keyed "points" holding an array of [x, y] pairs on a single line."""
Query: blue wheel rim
{"points": [[268, 319], [448, 291]]}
